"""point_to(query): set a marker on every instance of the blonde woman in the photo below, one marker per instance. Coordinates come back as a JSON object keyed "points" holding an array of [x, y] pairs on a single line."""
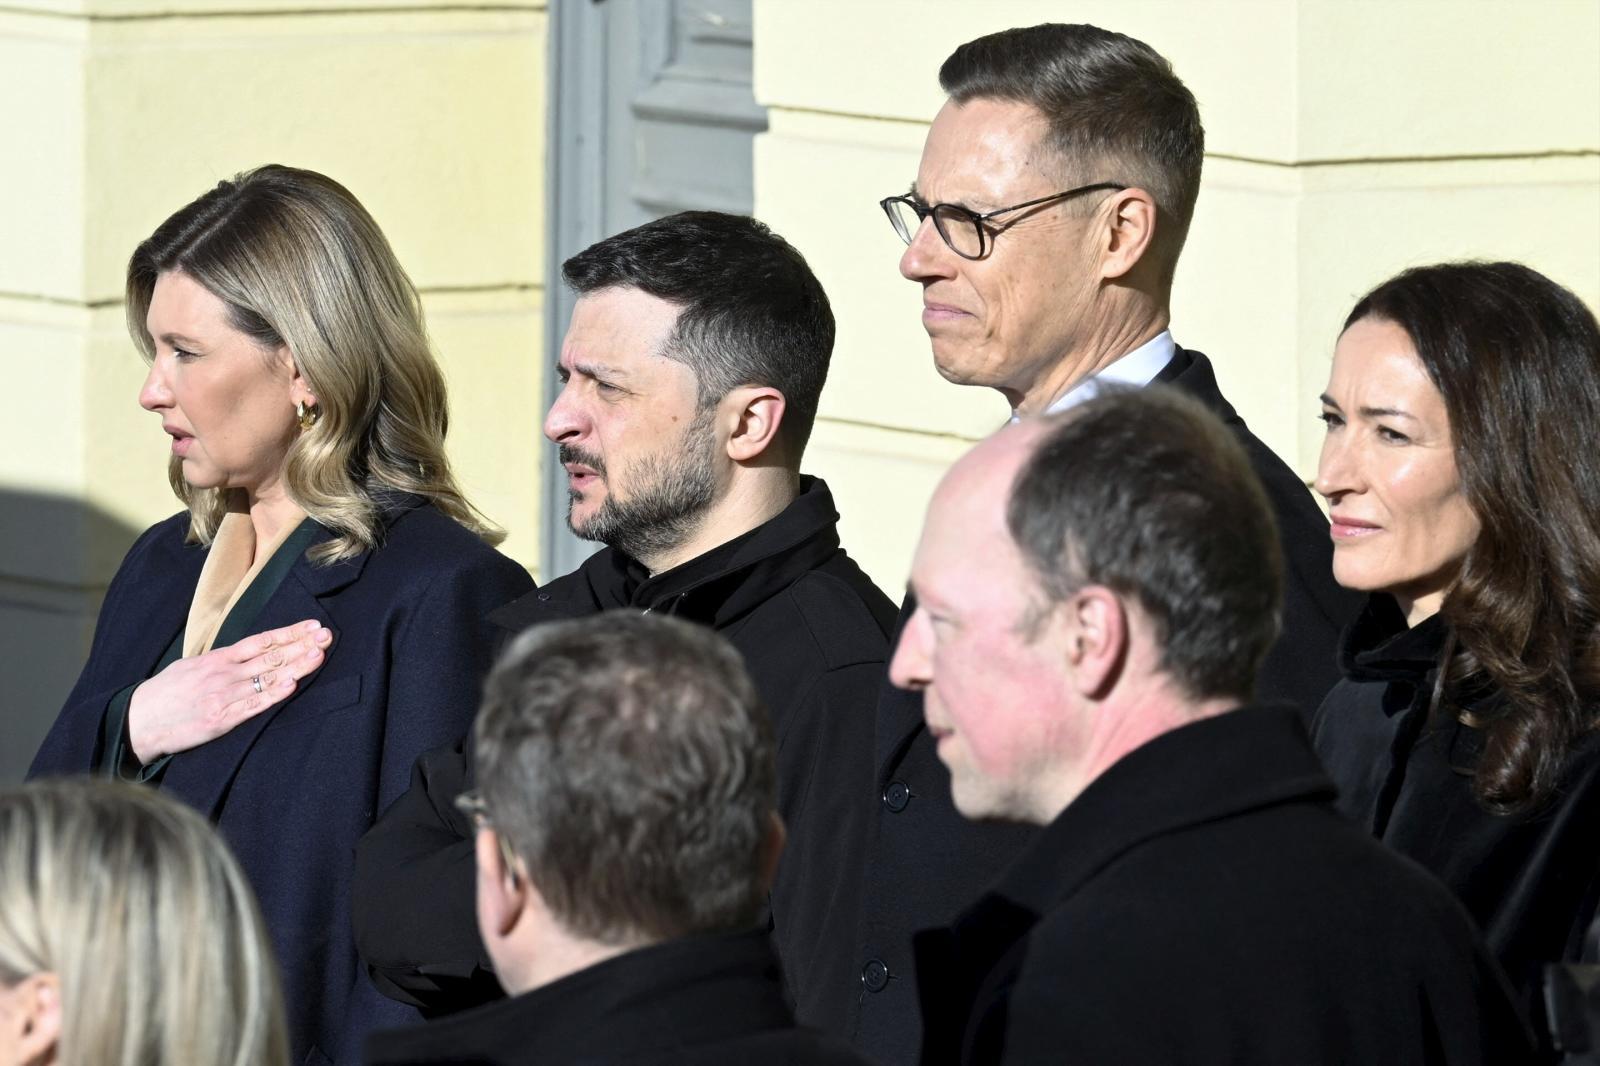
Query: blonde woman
{"points": [[128, 935], [279, 653]]}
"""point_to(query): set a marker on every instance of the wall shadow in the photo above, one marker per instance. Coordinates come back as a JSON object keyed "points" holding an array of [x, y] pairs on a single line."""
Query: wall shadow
{"points": [[57, 555]]}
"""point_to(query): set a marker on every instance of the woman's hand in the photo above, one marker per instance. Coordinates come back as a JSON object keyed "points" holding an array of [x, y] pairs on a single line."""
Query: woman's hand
{"points": [[197, 700]]}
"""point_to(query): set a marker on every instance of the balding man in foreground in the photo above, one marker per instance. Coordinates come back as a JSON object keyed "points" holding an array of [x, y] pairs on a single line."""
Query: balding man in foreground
{"points": [[1095, 592]]}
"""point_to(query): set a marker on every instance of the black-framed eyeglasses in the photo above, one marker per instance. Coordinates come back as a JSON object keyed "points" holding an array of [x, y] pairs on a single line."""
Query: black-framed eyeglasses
{"points": [[962, 229], [471, 804]]}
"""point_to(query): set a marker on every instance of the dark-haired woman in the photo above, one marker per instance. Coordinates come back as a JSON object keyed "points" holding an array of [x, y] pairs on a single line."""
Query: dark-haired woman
{"points": [[280, 652], [1463, 481]]}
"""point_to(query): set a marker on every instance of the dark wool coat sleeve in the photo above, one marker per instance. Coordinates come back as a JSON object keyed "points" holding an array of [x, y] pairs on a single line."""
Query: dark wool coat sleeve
{"points": [[415, 923], [293, 789]]}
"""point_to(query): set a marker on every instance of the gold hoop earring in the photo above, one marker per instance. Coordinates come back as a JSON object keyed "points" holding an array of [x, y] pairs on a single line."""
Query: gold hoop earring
{"points": [[307, 416]]}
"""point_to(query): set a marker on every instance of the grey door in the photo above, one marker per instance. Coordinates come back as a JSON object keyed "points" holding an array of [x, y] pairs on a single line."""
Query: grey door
{"points": [[651, 112]]}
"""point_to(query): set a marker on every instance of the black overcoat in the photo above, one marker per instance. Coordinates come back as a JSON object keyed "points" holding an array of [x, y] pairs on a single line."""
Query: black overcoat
{"points": [[1202, 903], [813, 631], [701, 1001], [927, 862], [1530, 880], [293, 789]]}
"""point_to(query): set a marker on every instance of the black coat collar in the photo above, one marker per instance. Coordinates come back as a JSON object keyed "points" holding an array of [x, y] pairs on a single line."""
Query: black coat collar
{"points": [[1192, 372], [322, 579], [694, 991], [1379, 646], [1238, 761], [1220, 766], [714, 589], [185, 558], [204, 775]]}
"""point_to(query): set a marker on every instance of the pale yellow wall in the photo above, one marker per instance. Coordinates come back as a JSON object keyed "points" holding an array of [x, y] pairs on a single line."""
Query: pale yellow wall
{"points": [[117, 112], [1347, 139]]}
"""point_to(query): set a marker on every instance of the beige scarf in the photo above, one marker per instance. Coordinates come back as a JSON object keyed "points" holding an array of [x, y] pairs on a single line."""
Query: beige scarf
{"points": [[232, 562]]}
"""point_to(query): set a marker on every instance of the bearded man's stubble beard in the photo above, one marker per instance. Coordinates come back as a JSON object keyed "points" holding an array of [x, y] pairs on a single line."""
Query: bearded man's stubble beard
{"points": [[671, 491]]}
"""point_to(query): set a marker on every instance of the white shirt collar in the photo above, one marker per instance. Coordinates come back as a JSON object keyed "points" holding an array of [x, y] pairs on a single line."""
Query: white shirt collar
{"points": [[1138, 368]]}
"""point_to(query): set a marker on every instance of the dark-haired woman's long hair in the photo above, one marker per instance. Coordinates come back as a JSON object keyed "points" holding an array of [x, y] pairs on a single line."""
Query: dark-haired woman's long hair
{"points": [[1517, 360]]}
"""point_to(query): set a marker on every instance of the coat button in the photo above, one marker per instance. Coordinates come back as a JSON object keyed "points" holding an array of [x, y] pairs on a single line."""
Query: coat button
{"points": [[875, 975], [896, 796]]}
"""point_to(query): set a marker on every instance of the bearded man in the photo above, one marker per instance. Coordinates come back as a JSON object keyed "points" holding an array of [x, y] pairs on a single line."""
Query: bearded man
{"points": [[691, 373]]}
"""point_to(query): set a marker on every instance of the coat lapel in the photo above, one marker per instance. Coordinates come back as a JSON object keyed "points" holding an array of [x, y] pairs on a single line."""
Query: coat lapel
{"points": [[1192, 372], [163, 597], [1207, 770], [203, 775]]}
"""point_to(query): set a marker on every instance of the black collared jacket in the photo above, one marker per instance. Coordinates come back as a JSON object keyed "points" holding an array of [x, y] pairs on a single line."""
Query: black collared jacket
{"points": [[1531, 881], [927, 862], [701, 1001], [1203, 903], [813, 631]]}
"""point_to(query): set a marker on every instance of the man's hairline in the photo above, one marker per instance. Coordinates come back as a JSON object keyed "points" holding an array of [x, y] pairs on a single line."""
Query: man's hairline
{"points": [[1053, 156], [668, 343], [1062, 167]]}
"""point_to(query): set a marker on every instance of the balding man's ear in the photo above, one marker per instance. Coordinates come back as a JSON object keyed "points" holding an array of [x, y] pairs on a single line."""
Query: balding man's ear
{"points": [[755, 413], [1130, 232], [1095, 625]]}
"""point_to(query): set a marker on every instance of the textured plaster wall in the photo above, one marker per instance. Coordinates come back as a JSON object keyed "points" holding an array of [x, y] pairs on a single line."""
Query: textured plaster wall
{"points": [[1347, 139]]}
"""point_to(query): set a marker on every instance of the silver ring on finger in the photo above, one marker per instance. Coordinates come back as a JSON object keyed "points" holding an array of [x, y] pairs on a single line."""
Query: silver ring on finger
{"points": [[255, 683]]}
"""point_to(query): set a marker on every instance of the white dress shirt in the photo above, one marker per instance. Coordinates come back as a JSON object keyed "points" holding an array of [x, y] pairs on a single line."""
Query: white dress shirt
{"points": [[1138, 368]]}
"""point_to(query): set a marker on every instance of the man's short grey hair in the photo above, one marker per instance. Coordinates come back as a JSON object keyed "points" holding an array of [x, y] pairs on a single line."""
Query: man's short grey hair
{"points": [[1116, 110], [1147, 493], [628, 761]]}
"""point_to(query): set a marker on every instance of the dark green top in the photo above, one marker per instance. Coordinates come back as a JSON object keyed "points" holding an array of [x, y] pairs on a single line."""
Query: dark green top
{"points": [[119, 759]]}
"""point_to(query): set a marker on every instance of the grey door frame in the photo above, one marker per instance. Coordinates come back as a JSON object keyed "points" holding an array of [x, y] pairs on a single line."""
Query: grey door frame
{"points": [[574, 215], [645, 98]]}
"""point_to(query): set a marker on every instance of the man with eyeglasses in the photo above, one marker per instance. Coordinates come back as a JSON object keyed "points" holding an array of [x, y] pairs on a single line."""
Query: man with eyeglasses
{"points": [[626, 834], [1052, 200]]}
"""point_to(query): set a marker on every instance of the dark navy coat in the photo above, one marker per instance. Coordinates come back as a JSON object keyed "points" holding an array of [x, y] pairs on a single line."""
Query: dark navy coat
{"points": [[294, 788]]}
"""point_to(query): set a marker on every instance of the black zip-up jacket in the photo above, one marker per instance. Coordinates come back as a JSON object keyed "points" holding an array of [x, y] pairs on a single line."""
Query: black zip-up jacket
{"points": [[813, 632]]}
